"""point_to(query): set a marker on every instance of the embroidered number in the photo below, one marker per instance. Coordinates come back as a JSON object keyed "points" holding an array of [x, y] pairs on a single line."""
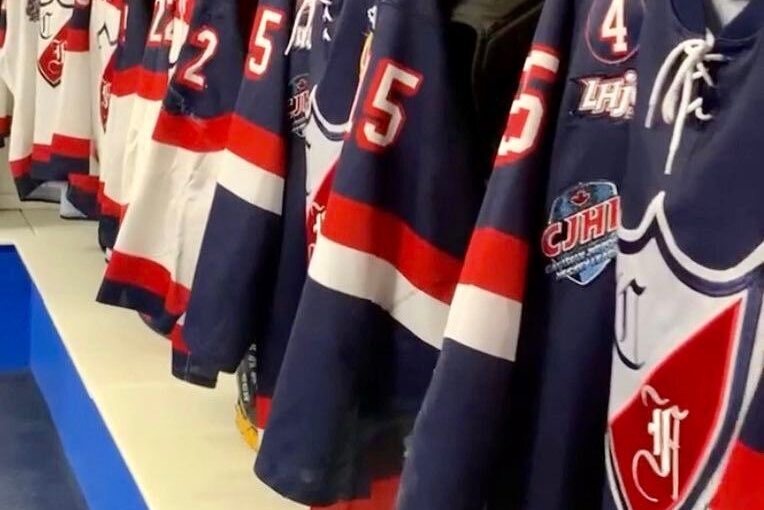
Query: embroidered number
{"points": [[191, 73], [528, 109], [267, 20], [383, 115], [614, 29], [160, 31]]}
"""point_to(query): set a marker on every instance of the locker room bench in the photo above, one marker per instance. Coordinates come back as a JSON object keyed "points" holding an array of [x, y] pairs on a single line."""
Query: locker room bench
{"points": [[135, 437]]}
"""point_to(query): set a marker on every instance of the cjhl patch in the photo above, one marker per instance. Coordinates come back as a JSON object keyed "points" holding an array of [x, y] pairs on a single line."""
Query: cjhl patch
{"points": [[581, 238], [608, 96]]}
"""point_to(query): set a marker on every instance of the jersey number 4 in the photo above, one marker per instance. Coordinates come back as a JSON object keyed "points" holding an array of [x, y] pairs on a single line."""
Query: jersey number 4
{"points": [[191, 74], [614, 29], [267, 20], [383, 116]]}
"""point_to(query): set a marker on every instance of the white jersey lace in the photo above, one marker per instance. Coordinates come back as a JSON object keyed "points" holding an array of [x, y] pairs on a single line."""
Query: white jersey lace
{"points": [[681, 97]]}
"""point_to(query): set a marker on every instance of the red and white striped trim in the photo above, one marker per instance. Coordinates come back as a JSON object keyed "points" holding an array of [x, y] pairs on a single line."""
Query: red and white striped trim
{"points": [[365, 276], [252, 183], [485, 321]]}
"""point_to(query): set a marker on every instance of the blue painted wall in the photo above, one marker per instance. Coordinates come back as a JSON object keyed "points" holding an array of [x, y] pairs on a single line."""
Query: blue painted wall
{"points": [[15, 287], [29, 339]]}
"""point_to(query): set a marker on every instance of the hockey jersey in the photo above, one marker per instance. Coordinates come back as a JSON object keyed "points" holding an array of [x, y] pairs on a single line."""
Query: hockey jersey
{"points": [[19, 70], [134, 24], [256, 221], [168, 24], [380, 280], [162, 231], [686, 416], [52, 23], [522, 381], [119, 287], [97, 71]]}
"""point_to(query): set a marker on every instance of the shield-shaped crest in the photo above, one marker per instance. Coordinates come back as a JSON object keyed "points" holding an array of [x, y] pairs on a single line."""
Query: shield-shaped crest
{"points": [[689, 354]]}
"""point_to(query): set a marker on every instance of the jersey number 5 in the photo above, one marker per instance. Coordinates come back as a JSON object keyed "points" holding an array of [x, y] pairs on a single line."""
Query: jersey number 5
{"points": [[528, 109], [267, 20], [191, 74], [383, 115]]}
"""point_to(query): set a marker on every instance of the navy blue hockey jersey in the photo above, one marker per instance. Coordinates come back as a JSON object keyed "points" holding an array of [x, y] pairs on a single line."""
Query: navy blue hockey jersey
{"points": [[686, 417], [516, 412], [257, 222], [382, 273]]}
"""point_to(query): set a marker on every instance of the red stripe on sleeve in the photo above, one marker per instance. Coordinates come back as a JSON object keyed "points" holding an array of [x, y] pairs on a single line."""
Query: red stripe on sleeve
{"points": [[152, 86], [125, 81], [741, 486], [77, 40], [70, 146], [256, 145], [5, 126], [496, 262], [379, 233], [109, 207], [85, 183], [41, 152], [192, 133], [21, 167], [262, 411], [177, 341], [149, 276]]}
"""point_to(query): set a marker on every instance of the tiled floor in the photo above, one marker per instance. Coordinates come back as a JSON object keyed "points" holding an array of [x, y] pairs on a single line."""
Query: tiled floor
{"points": [[179, 441]]}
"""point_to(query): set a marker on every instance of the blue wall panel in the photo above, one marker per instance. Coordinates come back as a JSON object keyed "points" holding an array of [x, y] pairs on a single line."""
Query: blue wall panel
{"points": [[102, 473], [15, 288], [28, 338]]}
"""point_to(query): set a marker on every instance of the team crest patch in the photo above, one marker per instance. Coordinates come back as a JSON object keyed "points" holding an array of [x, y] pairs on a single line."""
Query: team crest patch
{"points": [[51, 61], [611, 97], [688, 353], [299, 103], [581, 238]]}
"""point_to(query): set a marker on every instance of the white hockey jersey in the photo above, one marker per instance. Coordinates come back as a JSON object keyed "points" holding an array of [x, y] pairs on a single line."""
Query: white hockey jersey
{"points": [[91, 41], [18, 57]]}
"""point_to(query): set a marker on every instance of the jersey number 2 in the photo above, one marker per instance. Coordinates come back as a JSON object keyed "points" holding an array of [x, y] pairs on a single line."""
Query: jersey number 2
{"points": [[191, 74], [383, 115]]}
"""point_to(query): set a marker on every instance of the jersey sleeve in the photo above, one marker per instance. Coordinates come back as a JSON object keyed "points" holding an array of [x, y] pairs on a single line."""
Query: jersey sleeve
{"points": [[234, 278], [72, 140], [463, 418], [382, 273]]}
